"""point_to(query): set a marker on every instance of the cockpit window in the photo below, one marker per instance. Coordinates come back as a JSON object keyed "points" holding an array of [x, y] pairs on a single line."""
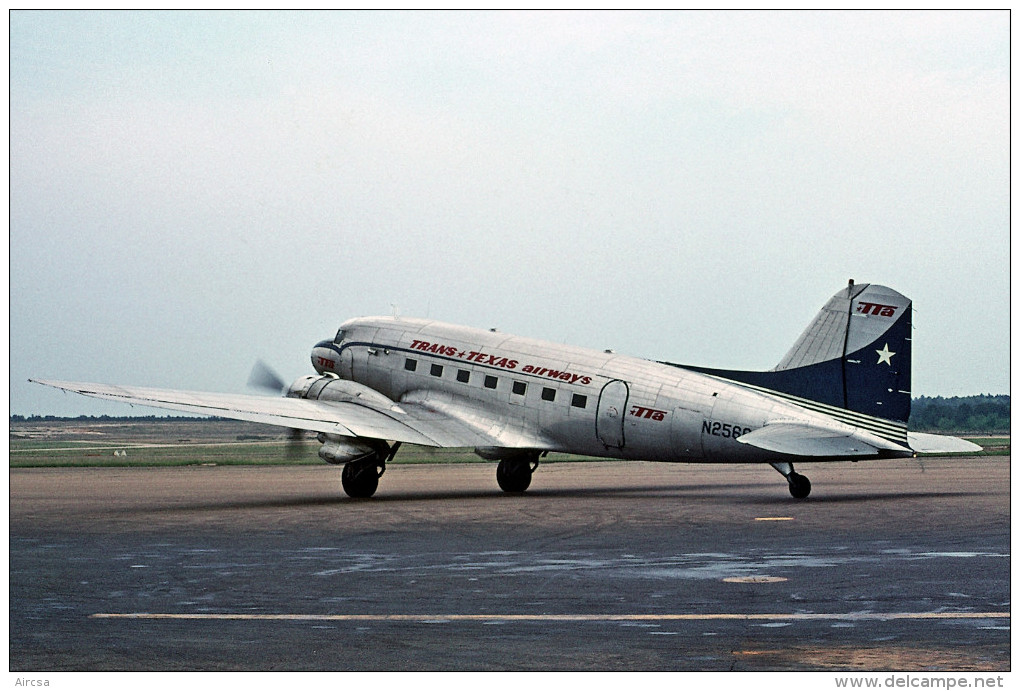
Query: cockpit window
{"points": [[339, 336]]}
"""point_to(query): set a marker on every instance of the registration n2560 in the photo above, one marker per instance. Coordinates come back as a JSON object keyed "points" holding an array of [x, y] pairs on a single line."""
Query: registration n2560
{"points": [[723, 429]]}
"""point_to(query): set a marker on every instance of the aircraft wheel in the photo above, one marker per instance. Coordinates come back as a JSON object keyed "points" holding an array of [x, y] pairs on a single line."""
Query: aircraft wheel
{"points": [[513, 474], [360, 479], [800, 486]]}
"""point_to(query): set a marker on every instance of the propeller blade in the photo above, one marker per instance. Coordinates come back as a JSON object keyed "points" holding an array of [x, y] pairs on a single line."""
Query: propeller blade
{"points": [[295, 443], [264, 377]]}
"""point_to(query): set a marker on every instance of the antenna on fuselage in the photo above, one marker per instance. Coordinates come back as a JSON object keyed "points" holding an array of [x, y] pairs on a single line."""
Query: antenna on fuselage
{"points": [[396, 310]]}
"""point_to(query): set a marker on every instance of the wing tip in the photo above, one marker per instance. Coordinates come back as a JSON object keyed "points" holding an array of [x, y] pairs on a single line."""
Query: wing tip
{"points": [[922, 442]]}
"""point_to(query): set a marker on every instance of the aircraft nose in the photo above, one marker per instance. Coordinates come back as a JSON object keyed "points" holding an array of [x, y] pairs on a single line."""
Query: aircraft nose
{"points": [[324, 357]]}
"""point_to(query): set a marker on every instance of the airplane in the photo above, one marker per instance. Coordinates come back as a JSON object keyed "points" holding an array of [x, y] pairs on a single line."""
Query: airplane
{"points": [[841, 393]]}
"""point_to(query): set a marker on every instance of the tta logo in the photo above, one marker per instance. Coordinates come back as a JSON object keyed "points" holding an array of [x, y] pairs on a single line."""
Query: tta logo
{"points": [[649, 413], [876, 309]]}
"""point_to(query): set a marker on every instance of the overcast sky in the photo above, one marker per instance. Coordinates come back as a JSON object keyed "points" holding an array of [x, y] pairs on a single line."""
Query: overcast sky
{"points": [[193, 191]]}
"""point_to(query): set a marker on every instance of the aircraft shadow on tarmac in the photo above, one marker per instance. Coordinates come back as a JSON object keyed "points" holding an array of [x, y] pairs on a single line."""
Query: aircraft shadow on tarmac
{"points": [[704, 493], [707, 492], [848, 498]]}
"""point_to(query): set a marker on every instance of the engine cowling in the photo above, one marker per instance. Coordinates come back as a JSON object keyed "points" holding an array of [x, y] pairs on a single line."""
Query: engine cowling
{"points": [[340, 450], [331, 388]]}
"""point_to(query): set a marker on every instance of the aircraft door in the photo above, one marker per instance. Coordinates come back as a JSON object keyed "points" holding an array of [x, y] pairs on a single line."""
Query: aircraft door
{"points": [[611, 411], [685, 432]]}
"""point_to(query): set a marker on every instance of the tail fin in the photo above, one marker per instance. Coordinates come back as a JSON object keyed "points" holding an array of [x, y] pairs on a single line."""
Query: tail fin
{"points": [[854, 356]]}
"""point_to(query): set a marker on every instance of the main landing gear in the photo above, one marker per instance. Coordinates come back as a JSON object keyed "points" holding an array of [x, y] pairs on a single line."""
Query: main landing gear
{"points": [[360, 478], [514, 474], [800, 486]]}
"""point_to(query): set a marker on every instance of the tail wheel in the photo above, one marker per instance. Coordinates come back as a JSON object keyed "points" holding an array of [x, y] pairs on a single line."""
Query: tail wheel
{"points": [[514, 474], [800, 486]]}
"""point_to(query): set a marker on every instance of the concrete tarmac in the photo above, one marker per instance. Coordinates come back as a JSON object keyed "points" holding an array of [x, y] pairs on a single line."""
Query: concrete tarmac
{"points": [[893, 565]]}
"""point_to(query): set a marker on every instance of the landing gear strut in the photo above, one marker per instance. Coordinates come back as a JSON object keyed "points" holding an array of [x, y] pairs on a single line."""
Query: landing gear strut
{"points": [[514, 474], [800, 486]]}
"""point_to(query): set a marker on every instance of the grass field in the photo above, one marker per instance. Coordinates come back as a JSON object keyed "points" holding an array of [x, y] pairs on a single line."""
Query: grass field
{"points": [[182, 442]]}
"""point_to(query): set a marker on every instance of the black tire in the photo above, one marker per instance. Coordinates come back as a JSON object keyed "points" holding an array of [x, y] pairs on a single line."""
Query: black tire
{"points": [[513, 474], [800, 486], [360, 479]]}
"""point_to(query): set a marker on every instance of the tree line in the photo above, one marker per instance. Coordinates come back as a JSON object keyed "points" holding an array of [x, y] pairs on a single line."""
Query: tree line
{"points": [[983, 414]]}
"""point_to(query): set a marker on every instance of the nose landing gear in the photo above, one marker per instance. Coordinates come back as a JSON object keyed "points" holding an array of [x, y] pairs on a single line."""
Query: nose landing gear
{"points": [[800, 486]]}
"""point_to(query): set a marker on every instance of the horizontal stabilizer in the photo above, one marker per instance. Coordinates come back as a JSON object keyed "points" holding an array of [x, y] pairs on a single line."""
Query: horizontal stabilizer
{"points": [[798, 439], [938, 443]]}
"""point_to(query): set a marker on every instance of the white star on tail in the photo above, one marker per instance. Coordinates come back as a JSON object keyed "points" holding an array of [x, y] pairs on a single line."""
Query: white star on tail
{"points": [[885, 355]]}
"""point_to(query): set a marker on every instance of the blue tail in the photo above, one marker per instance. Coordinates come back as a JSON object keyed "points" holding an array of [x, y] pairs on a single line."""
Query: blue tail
{"points": [[854, 356]]}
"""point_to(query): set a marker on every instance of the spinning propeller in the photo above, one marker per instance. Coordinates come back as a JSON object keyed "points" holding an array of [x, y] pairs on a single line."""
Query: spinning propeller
{"points": [[266, 378]]}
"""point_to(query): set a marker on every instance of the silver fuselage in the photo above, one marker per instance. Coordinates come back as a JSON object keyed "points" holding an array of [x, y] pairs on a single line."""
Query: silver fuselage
{"points": [[562, 398]]}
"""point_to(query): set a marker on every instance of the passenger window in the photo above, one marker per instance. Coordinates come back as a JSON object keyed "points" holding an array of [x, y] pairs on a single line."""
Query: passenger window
{"points": [[410, 365], [437, 370], [520, 388], [579, 401], [463, 376], [548, 394], [490, 382]]}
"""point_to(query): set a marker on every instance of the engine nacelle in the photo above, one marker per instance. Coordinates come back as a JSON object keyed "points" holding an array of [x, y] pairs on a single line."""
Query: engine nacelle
{"points": [[331, 388], [339, 450]]}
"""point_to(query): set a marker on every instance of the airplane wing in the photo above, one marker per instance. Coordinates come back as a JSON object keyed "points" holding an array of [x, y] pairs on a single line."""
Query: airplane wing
{"points": [[428, 420], [802, 439]]}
